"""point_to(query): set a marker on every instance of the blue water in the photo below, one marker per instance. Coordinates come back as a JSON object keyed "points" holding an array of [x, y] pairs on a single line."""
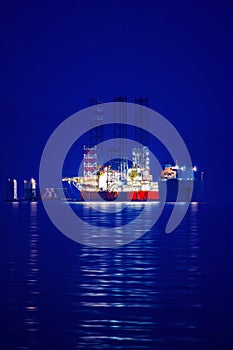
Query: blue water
{"points": [[162, 291]]}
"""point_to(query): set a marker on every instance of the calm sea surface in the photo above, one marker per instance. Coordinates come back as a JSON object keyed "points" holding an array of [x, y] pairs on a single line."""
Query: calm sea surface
{"points": [[162, 291]]}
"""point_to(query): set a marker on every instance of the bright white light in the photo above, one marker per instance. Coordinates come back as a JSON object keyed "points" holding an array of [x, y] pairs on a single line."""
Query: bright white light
{"points": [[194, 168], [33, 182]]}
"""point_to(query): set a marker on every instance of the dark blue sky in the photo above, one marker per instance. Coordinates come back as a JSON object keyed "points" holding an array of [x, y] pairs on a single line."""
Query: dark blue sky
{"points": [[56, 55]]}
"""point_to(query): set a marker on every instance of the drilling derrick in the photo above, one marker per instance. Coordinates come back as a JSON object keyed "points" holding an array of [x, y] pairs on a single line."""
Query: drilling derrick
{"points": [[141, 119], [97, 126], [90, 161], [120, 131]]}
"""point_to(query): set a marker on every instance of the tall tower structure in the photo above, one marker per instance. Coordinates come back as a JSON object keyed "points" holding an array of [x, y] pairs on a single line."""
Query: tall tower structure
{"points": [[141, 119], [96, 120], [30, 190], [90, 164], [120, 131], [11, 191], [141, 158]]}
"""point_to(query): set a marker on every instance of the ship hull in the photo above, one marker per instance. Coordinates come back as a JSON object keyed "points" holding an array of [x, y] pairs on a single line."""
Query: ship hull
{"points": [[135, 196], [171, 186], [121, 196], [185, 190]]}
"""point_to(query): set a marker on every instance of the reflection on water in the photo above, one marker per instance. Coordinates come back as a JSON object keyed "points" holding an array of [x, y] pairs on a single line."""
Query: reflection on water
{"points": [[145, 295], [141, 296], [31, 320], [23, 276], [112, 225]]}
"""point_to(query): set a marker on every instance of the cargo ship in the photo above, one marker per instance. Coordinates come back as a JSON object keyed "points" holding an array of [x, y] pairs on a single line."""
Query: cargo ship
{"points": [[131, 182], [182, 178]]}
